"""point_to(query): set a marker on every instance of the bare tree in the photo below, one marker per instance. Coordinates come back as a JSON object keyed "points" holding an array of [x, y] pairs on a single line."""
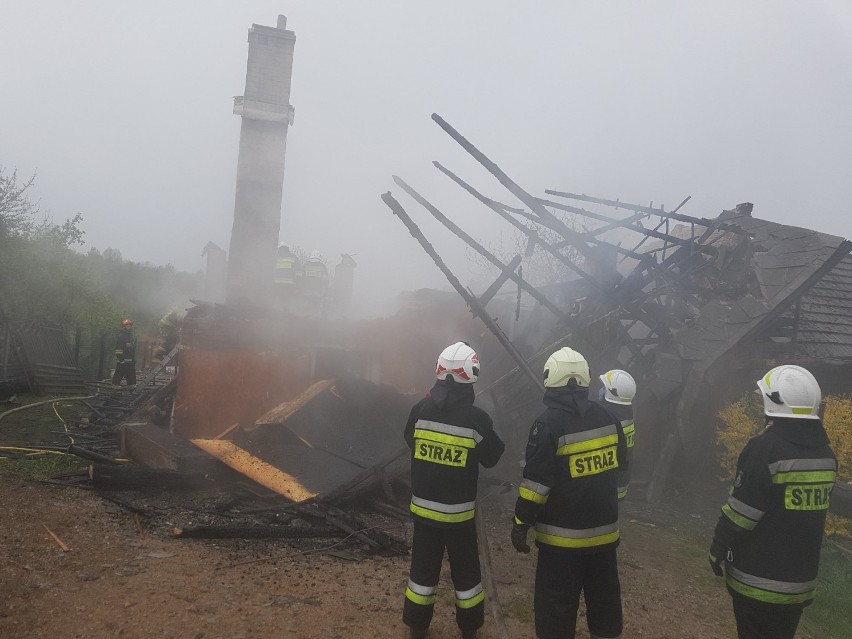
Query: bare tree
{"points": [[16, 208]]}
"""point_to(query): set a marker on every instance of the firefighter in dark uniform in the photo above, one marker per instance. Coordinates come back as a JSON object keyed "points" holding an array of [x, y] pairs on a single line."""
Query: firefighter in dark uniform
{"points": [[286, 275], [619, 389], [314, 284], [449, 438], [569, 494], [125, 353], [770, 531]]}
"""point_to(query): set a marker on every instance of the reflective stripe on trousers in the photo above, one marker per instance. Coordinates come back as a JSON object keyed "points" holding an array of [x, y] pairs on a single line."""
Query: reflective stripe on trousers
{"points": [[469, 598], [421, 595]]}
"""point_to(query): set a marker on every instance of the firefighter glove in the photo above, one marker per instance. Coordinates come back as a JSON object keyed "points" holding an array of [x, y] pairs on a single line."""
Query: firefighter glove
{"points": [[519, 537], [717, 555], [716, 566]]}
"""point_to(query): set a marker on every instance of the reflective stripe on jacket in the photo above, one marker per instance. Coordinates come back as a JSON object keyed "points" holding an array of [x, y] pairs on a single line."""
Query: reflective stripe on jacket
{"points": [[624, 412], [772, 523], [569, 487], [448, 444]]}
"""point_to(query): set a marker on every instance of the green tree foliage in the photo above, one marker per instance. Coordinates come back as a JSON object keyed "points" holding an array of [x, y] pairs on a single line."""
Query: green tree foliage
{"points": [[44, 280]]}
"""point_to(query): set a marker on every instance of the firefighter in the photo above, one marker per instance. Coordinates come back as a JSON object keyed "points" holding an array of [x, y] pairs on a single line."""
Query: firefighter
{"points": [[569, 494], [619, 389], [770, 531], [315, 283], [169, 329], [341, 292], [449, 438], [125, 353], [286, 274]]}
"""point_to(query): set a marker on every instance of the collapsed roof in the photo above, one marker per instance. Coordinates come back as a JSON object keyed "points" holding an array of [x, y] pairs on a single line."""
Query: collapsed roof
{"points": [[689, 291]]}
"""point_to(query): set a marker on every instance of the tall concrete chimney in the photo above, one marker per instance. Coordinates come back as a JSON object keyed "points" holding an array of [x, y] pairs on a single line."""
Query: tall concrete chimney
{"points": [[266, 113]]}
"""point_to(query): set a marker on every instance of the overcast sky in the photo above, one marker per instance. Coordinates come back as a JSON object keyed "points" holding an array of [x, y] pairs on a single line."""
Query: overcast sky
{"points": [[124, 110]]}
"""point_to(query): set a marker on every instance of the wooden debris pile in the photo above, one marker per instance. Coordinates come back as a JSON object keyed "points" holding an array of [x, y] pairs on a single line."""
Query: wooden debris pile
{"points": [[329, 463]]}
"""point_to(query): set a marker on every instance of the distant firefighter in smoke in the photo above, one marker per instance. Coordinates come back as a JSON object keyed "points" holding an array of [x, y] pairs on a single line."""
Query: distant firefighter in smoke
{"points": [[125, 353], [169, 329], [314, 283], [287, 274]]}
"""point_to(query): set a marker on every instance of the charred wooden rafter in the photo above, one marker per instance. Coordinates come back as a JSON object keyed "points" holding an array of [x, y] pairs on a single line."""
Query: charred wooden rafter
{"points": [[473, 303], [688, 298]]}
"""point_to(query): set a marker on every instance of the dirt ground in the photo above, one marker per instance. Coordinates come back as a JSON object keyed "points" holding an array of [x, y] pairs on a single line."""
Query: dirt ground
{"points": [[116, 582]]}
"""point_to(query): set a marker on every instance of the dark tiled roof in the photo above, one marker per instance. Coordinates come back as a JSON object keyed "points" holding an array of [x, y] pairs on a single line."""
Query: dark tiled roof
{"points": [[825, 316]]}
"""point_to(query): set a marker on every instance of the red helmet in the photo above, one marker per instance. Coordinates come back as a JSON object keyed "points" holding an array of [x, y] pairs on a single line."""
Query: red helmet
{"points": [[126, 323]]}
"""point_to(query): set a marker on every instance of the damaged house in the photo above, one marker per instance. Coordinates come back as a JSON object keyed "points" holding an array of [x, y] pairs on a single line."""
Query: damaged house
{"points": [[694, 308]]}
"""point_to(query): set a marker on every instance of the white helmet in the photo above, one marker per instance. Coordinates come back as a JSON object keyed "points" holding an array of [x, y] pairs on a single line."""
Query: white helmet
{"points": [[620, 387], [315, 255], [460, 362], [790, 391], [564, 365]]}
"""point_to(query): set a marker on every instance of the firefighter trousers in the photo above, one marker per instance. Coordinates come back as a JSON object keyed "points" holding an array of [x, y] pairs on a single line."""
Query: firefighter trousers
{"points": [[124, 370], [427, 555], [759, 620], [560, 578]]}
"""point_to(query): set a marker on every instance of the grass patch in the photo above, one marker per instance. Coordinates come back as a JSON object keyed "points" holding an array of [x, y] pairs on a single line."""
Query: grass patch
{"points": [[520, 609], [40, 467], [830, 616]]}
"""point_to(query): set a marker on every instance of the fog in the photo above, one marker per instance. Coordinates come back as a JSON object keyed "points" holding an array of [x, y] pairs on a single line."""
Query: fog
{"points": [[124, 111]]}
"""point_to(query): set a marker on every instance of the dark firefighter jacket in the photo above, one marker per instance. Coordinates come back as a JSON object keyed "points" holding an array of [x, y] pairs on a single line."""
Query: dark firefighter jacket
{"points": [[624, 412], [449, 438], [569, 489], [285, 269], [771, 527], [125, 347]]}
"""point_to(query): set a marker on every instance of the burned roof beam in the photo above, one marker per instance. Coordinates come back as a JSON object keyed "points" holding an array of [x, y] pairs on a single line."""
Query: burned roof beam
{"points": [[501, 210], [497, 284], [649, 210], [496, 207], [474, 305], [518, 192], [632, 227], [532, 203], [456, 230]]}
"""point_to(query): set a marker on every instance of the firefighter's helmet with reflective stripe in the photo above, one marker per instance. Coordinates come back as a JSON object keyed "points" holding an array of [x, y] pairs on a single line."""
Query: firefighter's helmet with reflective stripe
{"points": [[460, 362], [620, 387], [565, 365], [790, 391]]}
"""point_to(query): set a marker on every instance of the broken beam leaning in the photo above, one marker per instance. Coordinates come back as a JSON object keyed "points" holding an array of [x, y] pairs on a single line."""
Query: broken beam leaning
{"points": [[519, 193], [468, 297], [503, 211], [535, 293]]}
